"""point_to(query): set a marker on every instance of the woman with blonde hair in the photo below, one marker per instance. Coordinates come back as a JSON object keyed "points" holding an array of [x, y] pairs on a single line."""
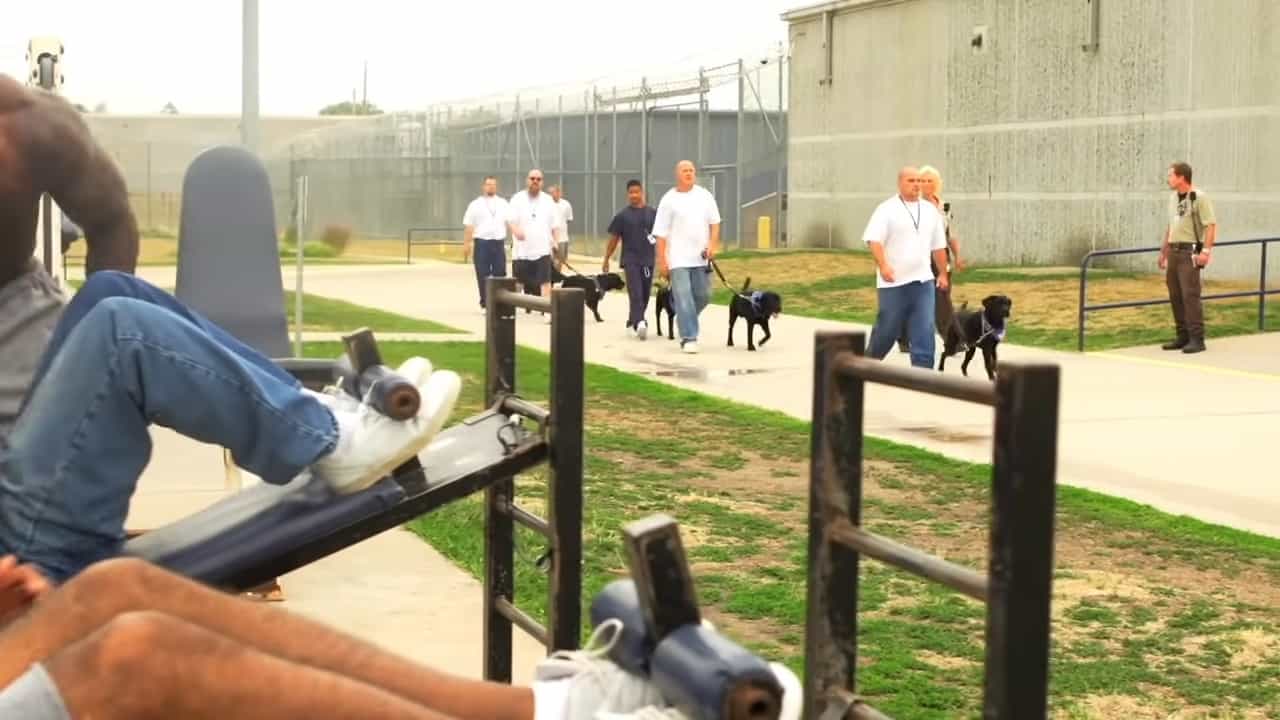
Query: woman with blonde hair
{"points": [[944, 311]]}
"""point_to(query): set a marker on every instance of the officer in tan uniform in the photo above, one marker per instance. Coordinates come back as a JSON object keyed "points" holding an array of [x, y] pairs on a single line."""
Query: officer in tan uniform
{"points": [[1187, 249]]}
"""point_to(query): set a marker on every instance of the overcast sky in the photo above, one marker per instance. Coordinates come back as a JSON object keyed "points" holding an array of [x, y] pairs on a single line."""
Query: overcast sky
{"points": [[136, 55]]}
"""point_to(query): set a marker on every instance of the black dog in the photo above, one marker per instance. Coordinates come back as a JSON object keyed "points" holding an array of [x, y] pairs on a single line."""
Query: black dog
{"points": [[663, 303], [983, 329], [593, 286], [756, 308]]}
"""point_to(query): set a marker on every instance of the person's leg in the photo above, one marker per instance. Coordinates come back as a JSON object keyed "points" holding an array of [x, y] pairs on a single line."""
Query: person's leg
{"points": [[891, 315], [73, 461], [920, 324], [481, 260], [701, 290], [685, 304], [544, 275], [149, 666], [633, 276], [498, 259], [109, 283], [1192, 306], [116, 588], [1173, 280], [646, 287]]}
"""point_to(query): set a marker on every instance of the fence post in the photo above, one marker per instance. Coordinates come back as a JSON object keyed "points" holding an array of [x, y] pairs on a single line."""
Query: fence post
{"points": [[738, 153], [1262, 289], [499, 535], [1084, 279], [835, 490], [1020, 564], [565, 468]]}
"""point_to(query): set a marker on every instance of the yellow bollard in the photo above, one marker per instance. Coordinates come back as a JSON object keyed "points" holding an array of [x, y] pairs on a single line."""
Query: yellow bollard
{"points": [[764, 237]]}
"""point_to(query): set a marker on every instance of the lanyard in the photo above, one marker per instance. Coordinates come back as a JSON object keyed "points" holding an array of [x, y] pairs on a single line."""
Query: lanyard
{"points": [[915, 219]]}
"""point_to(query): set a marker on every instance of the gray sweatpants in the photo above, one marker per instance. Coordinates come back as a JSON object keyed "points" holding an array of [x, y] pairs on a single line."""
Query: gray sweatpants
{"points": [[34, 696], [30, 306]]}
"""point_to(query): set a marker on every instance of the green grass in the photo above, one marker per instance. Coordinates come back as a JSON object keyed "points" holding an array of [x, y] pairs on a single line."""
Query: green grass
{"points": [[321, 314], [735, 478]]}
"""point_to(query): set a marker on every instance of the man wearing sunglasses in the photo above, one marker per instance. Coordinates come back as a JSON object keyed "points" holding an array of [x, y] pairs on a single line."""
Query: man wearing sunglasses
{"points": [[532, 221]]}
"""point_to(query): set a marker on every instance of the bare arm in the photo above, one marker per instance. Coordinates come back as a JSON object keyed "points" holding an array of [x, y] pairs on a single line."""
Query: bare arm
{"points": [[614, 240], [85, 182], [468, 233], [713, 245]]}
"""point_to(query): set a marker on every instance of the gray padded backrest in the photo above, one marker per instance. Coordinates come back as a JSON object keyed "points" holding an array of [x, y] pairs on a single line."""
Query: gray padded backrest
{"points": [[228, 259]]}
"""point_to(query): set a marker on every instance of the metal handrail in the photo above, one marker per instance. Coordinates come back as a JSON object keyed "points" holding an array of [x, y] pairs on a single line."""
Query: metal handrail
{"points": [[1261, 293]]}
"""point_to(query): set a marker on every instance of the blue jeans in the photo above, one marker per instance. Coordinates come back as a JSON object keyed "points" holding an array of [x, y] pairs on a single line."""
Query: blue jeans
{"points": [[118, 364], [690, 293], [490, 259], [910, 306]]}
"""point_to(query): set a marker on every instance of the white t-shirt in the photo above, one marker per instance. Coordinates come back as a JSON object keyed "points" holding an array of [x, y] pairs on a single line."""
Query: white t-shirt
{"points": [[536, 217], [564, 216], [910, 232], [487, 215], [685, 220]]}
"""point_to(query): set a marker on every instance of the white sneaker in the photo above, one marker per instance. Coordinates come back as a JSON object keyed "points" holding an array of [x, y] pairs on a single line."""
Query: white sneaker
{"points": [[595, 684], [689, 346], [370, 444], [642, 329]]}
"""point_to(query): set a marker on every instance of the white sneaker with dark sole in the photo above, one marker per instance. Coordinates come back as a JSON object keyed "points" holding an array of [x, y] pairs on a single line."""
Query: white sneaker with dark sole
{"points": [[370, 445], [642, 330]]}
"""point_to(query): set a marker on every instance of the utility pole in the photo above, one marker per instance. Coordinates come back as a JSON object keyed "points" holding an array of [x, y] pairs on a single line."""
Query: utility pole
{"points": [[249, 130]]}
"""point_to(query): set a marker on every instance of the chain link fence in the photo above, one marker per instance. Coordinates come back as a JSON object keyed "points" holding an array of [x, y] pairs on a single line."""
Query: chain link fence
{"points": [[387, 174]]}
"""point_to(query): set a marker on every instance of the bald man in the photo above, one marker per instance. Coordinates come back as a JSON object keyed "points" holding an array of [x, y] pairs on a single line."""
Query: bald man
{"points": [[687, 226], [902, 234], [45, 147]]}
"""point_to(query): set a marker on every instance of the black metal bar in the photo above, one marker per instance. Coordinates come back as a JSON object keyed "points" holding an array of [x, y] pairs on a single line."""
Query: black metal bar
{"points": [[499, 537], [529, 520], [957, 577], [835, 491], [664, 585], [1261, 293], [1216, 296], [521, 620], [525, 302], [564, 473], [427, 500], [1020, 565], [1084, 281], [523, 407], [951, 386], [1262, 290]]}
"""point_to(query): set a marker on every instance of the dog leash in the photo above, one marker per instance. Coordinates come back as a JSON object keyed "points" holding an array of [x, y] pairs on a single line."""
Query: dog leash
{"points": [[593, 278], [729, 287]]}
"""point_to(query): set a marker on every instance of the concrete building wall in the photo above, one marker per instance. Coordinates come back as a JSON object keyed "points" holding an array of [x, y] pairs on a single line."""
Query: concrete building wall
{"points": [[1048, 149]]}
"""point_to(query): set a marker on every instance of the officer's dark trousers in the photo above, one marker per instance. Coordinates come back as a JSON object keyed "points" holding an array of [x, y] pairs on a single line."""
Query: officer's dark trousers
{"points": [[1183, 278]]}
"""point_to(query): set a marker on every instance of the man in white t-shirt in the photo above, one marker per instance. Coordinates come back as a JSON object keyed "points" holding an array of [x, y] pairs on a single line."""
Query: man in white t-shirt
{"points": [[564, 216], [531, 216], [484, 234], [905, 234], [687, 227]]}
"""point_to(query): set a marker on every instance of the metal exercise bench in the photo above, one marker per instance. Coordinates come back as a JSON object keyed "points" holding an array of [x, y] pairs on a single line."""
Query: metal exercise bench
{"points": [[265, 531]]}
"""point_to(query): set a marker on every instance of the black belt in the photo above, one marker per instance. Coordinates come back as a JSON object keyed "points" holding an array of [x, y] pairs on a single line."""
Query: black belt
{"points": [[1182, 246]]}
